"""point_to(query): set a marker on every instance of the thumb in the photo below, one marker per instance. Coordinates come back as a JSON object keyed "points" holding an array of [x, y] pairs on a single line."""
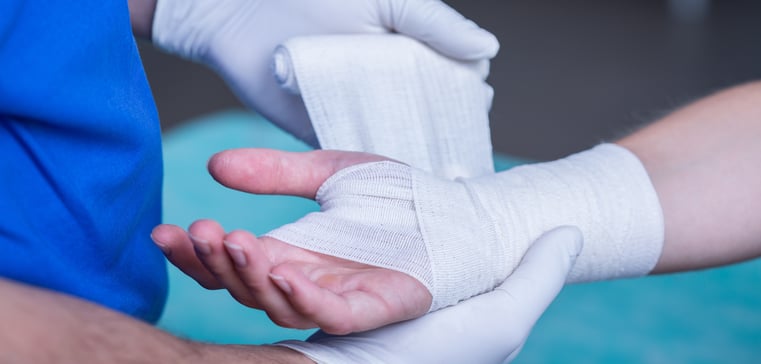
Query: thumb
{"points": [[542, 273], [267, 171], [441, 27]]}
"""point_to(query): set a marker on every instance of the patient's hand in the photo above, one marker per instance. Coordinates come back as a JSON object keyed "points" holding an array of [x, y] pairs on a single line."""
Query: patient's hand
{"points": [[296, 287]]}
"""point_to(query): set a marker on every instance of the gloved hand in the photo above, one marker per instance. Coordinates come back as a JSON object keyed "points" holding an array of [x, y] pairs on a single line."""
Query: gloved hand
{"points": [[490, 328], [237, 39]]}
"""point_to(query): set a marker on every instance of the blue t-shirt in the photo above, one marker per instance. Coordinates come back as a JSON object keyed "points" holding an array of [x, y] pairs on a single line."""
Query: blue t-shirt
{"points": [[80, 155]]}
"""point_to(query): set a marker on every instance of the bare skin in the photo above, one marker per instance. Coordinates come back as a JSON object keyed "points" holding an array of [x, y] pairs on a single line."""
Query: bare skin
{"points": [[704, 162], [50, 327]]}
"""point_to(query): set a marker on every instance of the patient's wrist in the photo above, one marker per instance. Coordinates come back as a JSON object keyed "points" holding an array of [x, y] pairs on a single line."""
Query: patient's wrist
{"points": [[605, 191]]}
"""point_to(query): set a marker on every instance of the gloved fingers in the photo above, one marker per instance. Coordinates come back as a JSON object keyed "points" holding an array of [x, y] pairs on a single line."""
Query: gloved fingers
{"points": [[266, 171], [478, 330], [441, 27], [541, 274], [179, 250]]}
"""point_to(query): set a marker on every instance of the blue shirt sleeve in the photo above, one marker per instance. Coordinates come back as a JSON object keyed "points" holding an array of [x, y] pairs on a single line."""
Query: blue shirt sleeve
{"points": [[80, 155]]}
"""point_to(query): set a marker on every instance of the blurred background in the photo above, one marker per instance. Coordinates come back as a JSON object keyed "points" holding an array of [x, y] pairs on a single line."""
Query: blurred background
{"points": [[569, 74]]}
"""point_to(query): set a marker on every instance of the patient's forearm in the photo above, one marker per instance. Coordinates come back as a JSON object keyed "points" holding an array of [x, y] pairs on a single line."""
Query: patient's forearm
{"points": [[41, 326], [141, 16], [705, 163]]}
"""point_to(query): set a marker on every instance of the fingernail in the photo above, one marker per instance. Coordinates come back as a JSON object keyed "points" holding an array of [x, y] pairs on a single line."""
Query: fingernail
{"points": [[280, 282], [164, 249], [236, 253], [202, 246]]}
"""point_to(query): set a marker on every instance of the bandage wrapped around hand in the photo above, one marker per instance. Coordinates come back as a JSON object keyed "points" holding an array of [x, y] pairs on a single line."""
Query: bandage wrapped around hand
{"points": [[464, 237]]}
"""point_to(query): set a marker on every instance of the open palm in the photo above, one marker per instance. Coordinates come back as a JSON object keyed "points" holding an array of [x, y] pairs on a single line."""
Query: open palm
{"points": [[296, 287]]}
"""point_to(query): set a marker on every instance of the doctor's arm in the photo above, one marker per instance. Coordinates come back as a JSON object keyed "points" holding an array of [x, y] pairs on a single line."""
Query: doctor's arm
{"points": [[41, 326]]}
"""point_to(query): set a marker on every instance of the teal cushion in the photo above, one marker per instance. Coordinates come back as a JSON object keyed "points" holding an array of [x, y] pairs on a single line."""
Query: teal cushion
{"points": [[699, 317]]}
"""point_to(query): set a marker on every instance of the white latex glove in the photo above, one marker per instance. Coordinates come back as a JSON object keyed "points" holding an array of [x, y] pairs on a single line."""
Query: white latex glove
{"points": [[237, 39], [490, 328]]}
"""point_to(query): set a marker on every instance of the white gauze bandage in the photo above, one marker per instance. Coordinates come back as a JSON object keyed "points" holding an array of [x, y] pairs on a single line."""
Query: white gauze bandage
{"points": [[464, 237], [393, 96]]}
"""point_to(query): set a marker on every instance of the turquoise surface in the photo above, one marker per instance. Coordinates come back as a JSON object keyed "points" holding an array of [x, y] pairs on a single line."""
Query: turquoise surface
{"points": [[712, 316]]}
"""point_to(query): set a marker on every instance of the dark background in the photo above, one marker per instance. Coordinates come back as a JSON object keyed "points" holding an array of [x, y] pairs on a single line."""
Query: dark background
{"points": [[569, 74]]}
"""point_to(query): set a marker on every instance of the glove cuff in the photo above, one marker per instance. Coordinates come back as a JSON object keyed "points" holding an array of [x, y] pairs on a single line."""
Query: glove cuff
{"points": [[335, 352]]}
